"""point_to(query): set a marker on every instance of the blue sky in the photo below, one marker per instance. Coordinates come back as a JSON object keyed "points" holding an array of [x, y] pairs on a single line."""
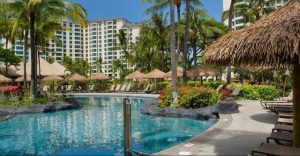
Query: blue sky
{"points": [[133, 10]]}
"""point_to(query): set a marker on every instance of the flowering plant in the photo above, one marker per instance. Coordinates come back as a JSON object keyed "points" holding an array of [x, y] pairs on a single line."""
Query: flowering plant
{"points": [[10, 89], [225, 93], [189, 97]]}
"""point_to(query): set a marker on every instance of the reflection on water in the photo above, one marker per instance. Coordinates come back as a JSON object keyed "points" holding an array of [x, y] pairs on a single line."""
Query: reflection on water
{"points": [[95, 129]]}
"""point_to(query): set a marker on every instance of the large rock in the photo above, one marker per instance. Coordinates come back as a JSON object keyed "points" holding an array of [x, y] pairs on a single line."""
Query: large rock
{"points": [[227, 107], [224, 107], [52, 107]]}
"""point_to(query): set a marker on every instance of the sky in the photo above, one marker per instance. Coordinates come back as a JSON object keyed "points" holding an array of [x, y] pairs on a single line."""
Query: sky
{"points": [[133, 10]]}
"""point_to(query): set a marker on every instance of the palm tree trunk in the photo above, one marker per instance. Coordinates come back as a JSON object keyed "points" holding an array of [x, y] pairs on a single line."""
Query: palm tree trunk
{"points": [[173, 54], [163, 58], [178, 28], [6, 59], [296, 105], [230, 18], [185, 46], [195, 54], [33, 86], [25, 58]]}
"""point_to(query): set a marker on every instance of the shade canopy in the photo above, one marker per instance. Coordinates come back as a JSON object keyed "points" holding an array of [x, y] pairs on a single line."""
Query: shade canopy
{"points": [[12, 71], [76, 77], [156, 74], [99, 76], [179, 73], [203, 71], [272, 41], [52, 78], [135, 75], [21, 79], [59, 68], [45, 68], [4, 79]]}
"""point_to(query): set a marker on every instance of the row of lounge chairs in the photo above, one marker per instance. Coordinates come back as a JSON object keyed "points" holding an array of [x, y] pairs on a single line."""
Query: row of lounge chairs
{"points": [[280, 141]]}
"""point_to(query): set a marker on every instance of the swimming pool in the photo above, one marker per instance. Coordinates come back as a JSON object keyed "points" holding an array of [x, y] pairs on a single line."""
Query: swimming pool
{"points": [[96, 129]]}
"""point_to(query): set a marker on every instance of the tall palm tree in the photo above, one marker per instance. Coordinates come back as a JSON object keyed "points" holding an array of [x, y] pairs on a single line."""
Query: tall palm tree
{"points": [[99, 63], [173, 54], [124, 45], [230, 18], [56, 10], [185, 44], [117, 65]]}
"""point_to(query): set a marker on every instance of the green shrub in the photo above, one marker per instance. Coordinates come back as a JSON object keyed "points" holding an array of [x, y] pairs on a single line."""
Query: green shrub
{"points": [[210, 84], [189, 97], [259, 92]]}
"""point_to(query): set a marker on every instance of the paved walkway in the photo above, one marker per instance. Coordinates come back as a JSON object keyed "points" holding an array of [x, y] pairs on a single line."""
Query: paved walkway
{"points": [[236, 134]]}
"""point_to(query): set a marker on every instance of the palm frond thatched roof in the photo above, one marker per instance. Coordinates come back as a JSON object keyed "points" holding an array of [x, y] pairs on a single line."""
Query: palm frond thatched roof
{"points": [[99, 76], [4, 79], [21, 79], [179, 73], [52, 78], [273, 41], [202, 71], [135, 75], [76, 77], [156, 74]]}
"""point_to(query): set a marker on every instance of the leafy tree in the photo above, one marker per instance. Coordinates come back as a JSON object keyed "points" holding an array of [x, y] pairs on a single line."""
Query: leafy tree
{"points": [[50, 59], [117, 65], [9, 58], [79, 66]]}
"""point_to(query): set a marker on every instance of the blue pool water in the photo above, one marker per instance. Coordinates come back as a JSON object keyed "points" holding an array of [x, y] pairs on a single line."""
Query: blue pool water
{"points": [[96, 129]]}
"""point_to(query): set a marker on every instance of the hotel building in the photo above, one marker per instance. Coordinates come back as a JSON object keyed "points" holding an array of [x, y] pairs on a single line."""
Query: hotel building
{"points": [[97, 40]]}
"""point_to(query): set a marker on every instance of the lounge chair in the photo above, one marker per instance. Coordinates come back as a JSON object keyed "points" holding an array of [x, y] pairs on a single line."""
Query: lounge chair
{"points": [[236, 91], [46, 89], [118, 87], [219, 88], [265, 104], [112, 88], [271, 149], [289, 97], [284, 121], [283, 108], [146, 89], [281, 136], [150, 89], [69, 88], [124, 86], [285, 115], [282, 128], [91, 88], [128, 88]]}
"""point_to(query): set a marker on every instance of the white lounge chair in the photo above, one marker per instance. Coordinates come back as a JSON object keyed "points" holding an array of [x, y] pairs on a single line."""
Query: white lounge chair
{"points": [[112, 88], [128, 88], [118, 87], [124, 86]]}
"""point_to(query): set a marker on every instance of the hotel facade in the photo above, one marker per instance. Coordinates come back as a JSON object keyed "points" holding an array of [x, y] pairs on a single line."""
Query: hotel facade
{"points": [[96, 41], [238, 20]]}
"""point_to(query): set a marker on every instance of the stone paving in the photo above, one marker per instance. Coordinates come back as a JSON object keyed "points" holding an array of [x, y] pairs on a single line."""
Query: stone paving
{"points": [[234, 134]]}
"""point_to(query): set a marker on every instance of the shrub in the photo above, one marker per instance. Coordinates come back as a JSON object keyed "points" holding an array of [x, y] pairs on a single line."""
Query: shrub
{"points": [[189, 97], [259, 92], [210, 84]]}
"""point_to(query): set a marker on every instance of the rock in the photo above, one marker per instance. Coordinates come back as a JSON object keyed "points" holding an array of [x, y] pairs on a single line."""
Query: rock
{"points": [[227, 107], [205, 112], [171, 111], [4, 112]]}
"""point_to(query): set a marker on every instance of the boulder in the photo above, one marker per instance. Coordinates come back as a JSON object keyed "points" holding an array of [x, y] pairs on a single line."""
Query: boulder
{"points": [[7, 111], [226, 107]]}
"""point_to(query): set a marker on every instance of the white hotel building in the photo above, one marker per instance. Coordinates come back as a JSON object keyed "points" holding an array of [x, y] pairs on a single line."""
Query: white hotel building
{"points": [[238, 21], [95, 41]]}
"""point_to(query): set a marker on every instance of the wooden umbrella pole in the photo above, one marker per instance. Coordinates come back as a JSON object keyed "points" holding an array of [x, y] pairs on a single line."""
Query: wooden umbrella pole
{"points": [[296, 105]]}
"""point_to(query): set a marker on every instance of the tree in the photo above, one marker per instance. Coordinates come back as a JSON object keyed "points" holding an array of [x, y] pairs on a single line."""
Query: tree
{"points": [[79, 66], [230, 17], [56, 10], [173, 54], [185, 44], [117, 65], [124, 45], [99, 63], [50, 59], [9, 58]]}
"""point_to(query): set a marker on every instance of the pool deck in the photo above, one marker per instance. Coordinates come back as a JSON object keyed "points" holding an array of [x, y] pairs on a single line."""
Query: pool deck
{"points": [[235, 134]]}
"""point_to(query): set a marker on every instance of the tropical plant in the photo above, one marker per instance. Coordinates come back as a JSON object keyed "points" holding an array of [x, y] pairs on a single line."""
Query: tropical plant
{"points": [[9, 58], [79, 66], [124, 45], [55, 10], [173, 54], [117, 65]]}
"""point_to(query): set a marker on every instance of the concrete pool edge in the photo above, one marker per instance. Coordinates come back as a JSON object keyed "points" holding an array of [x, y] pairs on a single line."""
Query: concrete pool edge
{"points": [[224, 122], [114, 95]]}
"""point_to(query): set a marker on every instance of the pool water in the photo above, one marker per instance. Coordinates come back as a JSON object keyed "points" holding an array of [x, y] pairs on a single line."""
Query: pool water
{"points": [[96, 129]]}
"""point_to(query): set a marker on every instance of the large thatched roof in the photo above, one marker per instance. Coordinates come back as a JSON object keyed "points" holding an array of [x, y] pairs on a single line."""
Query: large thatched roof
{"points": [[76, 77], [59, 68], [99, 76], [12, 71], [21, 79], [156, 74], [179, 73], [4, 79], [52, 78], [203, 71], [273, 41], [135, 75]]}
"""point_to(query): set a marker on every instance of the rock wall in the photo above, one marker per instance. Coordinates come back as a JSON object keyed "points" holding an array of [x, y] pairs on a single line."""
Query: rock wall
{"points": [[223, 107]]}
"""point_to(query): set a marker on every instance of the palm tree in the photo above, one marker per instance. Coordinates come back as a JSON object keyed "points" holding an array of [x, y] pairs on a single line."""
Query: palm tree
{"points": [[117, 65], [124, 45], [185, 44], [173, 54], [99, 63], [230, 17], [56, 10]]}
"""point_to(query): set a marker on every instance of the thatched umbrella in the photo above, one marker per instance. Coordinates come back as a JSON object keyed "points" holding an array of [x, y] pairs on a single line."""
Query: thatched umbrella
{"points": [[99, 76], [75, 77], [52, 78], [273, 41], [135, 75], [202, 71], [21, 79], [4, 79], [156, 74], [179, 73]]}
